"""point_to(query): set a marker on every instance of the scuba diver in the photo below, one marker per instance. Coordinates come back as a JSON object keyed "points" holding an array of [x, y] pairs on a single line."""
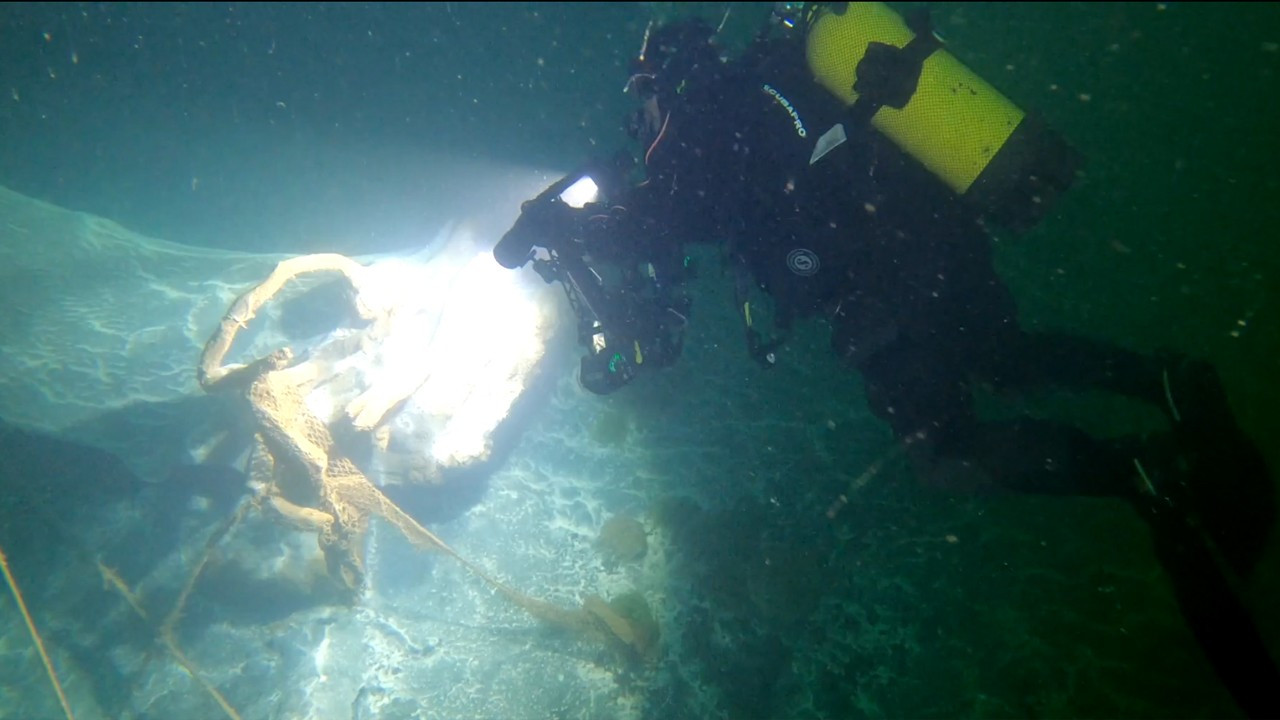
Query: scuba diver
{"points": [[851, 168]]}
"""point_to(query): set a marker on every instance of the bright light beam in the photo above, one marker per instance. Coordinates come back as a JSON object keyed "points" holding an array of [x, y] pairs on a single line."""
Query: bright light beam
{"points": [[462, 341]]}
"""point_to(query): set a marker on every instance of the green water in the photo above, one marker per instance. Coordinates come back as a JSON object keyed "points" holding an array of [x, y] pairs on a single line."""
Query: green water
{"points": [[959, 605]]}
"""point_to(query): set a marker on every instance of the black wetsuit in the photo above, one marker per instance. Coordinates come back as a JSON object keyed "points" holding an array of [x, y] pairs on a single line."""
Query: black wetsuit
{"points": [[903, 270]]}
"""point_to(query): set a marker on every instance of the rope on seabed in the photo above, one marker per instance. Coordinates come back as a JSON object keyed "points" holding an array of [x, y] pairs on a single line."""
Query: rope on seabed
{"points": [[872, 470], [35, 635]]}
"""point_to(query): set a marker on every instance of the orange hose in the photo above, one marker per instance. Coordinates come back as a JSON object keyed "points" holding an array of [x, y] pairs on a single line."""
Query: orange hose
{"points": [[658, 139], [35, 636]]}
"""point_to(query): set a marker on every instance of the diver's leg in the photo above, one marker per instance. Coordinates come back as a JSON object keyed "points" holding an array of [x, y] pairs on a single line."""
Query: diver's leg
{"points": [[1186, 390], [1200, 558], [913, 391], [1222, 474], [923, 390], [1210, 604], [924, 387], [1205, 469], [1023, 360], [1042, 457]]}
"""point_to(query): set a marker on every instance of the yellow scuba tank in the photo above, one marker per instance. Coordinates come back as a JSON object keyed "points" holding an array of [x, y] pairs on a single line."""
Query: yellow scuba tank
{"points": [[937, 110]]}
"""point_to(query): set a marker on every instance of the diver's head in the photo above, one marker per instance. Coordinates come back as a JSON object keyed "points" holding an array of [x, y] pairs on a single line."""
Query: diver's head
{"points": [[673, 59], [791, 15]]}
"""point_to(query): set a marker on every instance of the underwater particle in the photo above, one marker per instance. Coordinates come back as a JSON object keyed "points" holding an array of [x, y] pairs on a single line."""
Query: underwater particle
{"points": [[623, 539]]}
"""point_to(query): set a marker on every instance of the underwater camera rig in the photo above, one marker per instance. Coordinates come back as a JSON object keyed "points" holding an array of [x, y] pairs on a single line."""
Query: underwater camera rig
{"points": [[630, 309]]}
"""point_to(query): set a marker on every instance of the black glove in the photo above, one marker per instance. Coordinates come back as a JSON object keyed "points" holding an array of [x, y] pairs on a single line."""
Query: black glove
{"points": [[543, 221]]}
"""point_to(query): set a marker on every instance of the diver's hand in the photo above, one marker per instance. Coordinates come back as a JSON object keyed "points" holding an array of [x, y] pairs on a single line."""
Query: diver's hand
{"points": [[543, 222]]}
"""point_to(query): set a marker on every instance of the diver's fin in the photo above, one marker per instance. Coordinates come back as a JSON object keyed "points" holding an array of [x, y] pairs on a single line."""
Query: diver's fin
{"points": [[1210, 603]]}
